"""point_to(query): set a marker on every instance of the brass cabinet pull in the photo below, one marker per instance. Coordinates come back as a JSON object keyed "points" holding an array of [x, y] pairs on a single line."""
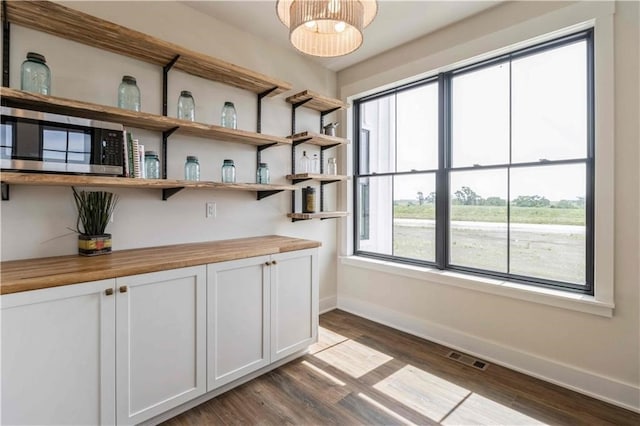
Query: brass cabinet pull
{"points": [[108, 291], [123, 289], [267, 263], [274, 262]]}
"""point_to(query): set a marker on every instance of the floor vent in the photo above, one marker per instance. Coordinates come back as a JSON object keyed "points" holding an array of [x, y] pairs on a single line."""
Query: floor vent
{"points": [[468, 360]]}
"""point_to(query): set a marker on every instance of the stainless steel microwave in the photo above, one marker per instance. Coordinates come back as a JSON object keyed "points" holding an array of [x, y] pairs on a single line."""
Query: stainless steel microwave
{"points": [[45, 142]]}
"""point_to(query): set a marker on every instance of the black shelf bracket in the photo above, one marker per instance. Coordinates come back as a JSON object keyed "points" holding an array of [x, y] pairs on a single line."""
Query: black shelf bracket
{"points": [[6, 45], [165, 138], [5, 191], [322, 114], [166, 134], [165, 78], [325, 147], [168, 192], [265, 194], [326, 182], [259, 113], [296, 219], [259, 150], [300, 141], [300, 180]]}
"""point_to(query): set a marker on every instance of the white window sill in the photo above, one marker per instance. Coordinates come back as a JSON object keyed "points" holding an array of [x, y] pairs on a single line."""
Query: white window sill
{"points": [[544, 296]]}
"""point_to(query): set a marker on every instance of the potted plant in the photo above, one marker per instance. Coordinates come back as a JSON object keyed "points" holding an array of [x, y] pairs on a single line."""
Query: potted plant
{"points": [[94, 213]]}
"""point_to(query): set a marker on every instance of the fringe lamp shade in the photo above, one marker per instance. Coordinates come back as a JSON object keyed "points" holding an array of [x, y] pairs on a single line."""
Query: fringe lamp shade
{"points": [[326, 28]]}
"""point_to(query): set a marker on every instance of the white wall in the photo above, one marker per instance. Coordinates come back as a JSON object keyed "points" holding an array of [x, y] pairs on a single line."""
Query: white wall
{"points": [[35, 221], [595, 355]]}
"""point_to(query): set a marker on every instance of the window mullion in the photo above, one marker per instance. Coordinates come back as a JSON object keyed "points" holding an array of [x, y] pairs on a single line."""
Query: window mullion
{"points": [[442, 176]]}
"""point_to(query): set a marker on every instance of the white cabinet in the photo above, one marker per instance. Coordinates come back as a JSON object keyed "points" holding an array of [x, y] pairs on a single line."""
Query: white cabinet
{"points": [[294, 302], [259, 310], [161, 351], [124, 350], [237, 319], [58, 355]]}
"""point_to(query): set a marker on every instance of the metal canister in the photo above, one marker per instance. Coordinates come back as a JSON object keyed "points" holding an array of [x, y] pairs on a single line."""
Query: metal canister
{"points": [[308, 200]]}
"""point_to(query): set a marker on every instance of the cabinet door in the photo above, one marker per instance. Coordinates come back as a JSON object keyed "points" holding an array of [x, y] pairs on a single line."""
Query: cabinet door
{"points": [[160, 331], [58, 355], [237, 319], [294, 302]]}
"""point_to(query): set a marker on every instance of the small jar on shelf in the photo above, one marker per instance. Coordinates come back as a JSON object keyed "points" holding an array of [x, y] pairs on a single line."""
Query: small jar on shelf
{"points": [[304, 165], [129, 94], [262, 175], [332, 167], [35, 74], [229, 118], [228, 172], [192, 168], [308, 200], [186, 106], [151, 165]]}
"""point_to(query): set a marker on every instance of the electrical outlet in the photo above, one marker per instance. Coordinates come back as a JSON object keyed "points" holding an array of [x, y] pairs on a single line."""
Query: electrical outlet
{"points": [[211, 210]]}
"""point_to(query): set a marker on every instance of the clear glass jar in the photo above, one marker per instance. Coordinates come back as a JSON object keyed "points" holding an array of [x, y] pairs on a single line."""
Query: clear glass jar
{"points": [[304, 165], [186, 106], [228, 172], [192, 168], [151, 165], [35, 74], [229, 118], [129, 94], [332, 167], [315, 164], [262, 173]]}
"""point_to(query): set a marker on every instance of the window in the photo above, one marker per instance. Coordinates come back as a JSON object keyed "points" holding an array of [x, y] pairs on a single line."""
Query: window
{"points": [[486, 169]]}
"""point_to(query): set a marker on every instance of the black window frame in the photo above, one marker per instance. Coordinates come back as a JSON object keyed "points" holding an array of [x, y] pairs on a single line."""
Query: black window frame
{"points": [[444, 81]]}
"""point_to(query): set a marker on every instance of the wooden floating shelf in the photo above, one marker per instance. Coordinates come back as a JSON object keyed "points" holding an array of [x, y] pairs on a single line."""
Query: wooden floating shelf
{"points": [[77, 26], [298, 177], [51, 179], [320, 215], [317, 139], [316, 101], [141, 120]]}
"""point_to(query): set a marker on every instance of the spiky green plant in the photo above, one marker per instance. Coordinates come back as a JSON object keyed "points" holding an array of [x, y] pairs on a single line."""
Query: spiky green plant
{"points": [[94, 210]]}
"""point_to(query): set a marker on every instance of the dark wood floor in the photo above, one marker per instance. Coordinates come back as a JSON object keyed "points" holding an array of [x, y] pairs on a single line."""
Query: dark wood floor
{"points": [[361, 372]]}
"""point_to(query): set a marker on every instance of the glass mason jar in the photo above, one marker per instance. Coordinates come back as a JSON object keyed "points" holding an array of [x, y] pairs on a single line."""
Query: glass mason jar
{"points": [[332, 167], [186, 106], [151, 165], [229, 118], [228, 172], [192, 168], [35, 74], [262, 175], [129, 94], [304, 165]]}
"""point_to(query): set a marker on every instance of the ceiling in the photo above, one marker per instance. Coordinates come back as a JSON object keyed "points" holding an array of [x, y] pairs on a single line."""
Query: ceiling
{"points": [[397, 22]]}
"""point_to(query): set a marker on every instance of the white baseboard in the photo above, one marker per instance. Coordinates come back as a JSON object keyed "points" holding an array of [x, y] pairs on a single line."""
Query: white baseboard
{"points": [[624, 395], [328, 304]]}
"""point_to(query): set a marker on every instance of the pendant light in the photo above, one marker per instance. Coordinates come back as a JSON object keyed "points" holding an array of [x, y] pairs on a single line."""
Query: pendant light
{"points": [[326, 28]]}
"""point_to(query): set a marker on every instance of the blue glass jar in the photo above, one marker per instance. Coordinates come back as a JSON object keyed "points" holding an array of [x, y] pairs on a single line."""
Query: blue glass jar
{"points": [[129, 94], [262, 175], [35, 74], [229, 119], [151, 165], [186, 106], [228, 172], [192, 168]]}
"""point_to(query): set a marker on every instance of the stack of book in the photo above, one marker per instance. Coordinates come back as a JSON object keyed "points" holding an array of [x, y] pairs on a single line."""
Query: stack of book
{"points": [[133, 157]]}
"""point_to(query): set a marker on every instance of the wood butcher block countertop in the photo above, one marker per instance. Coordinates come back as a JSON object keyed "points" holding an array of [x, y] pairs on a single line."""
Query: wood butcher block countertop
{"points": [[34, 274]]}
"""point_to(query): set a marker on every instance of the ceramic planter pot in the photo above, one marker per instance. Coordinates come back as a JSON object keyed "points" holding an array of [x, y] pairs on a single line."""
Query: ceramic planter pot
{"points": [[93, 245]]}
